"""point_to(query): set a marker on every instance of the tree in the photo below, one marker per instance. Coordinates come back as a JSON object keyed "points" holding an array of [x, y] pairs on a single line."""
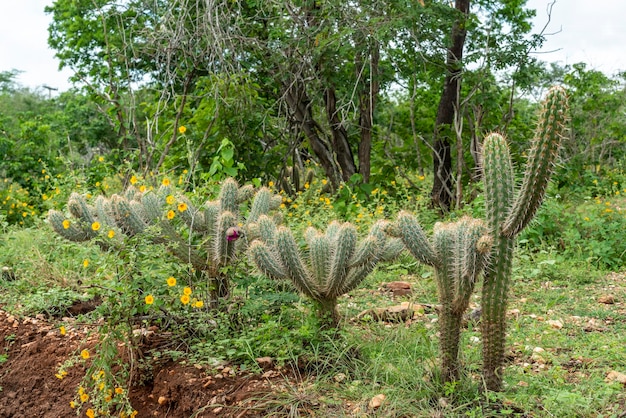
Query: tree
{"points": [[442, 193]]}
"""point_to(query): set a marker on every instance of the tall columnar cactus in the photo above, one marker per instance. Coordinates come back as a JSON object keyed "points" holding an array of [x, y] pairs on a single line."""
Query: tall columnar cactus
{"points": [[509, 212], [336, 261], [212, 229], [459, 252]]}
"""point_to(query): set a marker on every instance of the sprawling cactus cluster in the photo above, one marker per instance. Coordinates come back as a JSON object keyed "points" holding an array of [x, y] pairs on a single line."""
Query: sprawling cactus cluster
{"points": [[335, 262], [459, 252], [212, 228]]}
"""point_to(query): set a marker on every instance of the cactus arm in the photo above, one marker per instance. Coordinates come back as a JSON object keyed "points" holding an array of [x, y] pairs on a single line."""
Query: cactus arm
{"points": [[75, 231], [541, 160], [228, 196], [104, 211], [294, 267], [224, 250], [409, 230], [344, 245], [265, 261], [78, 207], [261, 204], [210, 212], [319, 254], [244, 193]]}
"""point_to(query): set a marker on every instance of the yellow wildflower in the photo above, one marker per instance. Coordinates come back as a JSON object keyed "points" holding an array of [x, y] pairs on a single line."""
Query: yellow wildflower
{"points": [[149, 300], [142, 189], [90, 413], [66, 224], [119, 390], [182, 129], [62, 330], [170, 214], [84, 397], [324, 182], [199, 304], [133, 180], [84, 354], [166, 182], [95, 226], [85, 263], [169, 200], [182, 207], [111, 233], [184, 299], [270, 184], [187, 291], [171, 281]]}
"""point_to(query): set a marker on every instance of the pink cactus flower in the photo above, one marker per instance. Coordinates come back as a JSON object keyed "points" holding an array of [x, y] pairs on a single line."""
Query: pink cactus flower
{"points": [[232, 233]]}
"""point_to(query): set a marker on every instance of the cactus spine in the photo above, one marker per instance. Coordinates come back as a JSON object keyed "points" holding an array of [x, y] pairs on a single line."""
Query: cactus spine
{"points": [[459, 252], [507, 214], [336, 264]]}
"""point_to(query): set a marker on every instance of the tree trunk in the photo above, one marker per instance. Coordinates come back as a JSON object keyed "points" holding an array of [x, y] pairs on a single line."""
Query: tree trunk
{"points": [[341, 146], [367, 103], [442, 191], [300, 113]]}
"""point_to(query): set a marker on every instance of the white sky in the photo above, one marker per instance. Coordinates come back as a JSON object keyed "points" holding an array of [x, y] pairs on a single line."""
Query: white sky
{"points": [[588, 31]]}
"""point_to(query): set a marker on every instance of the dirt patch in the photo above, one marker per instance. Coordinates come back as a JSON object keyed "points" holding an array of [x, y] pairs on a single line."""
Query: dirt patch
{"points": [[31, 350]]}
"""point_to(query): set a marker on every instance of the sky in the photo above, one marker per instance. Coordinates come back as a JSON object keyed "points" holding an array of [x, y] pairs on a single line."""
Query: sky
{"points": [[579, 31]]}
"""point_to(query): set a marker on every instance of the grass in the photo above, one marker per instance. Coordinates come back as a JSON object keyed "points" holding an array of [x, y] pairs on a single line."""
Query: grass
{"points": [[562, 341]]}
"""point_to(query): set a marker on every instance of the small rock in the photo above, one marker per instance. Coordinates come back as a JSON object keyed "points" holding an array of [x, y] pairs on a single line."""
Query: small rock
{"points": [[376, 401], [399, 288], [226, 370], [615, 376], [538, 350], [339, 377], [556, 324], [162, 400], [265, 362], [218, 409], [607, 299]]}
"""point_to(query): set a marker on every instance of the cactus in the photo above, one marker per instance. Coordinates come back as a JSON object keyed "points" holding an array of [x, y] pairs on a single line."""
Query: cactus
{"points": [[213, 227], [336, 264], [458, 252], [507, 214]]}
